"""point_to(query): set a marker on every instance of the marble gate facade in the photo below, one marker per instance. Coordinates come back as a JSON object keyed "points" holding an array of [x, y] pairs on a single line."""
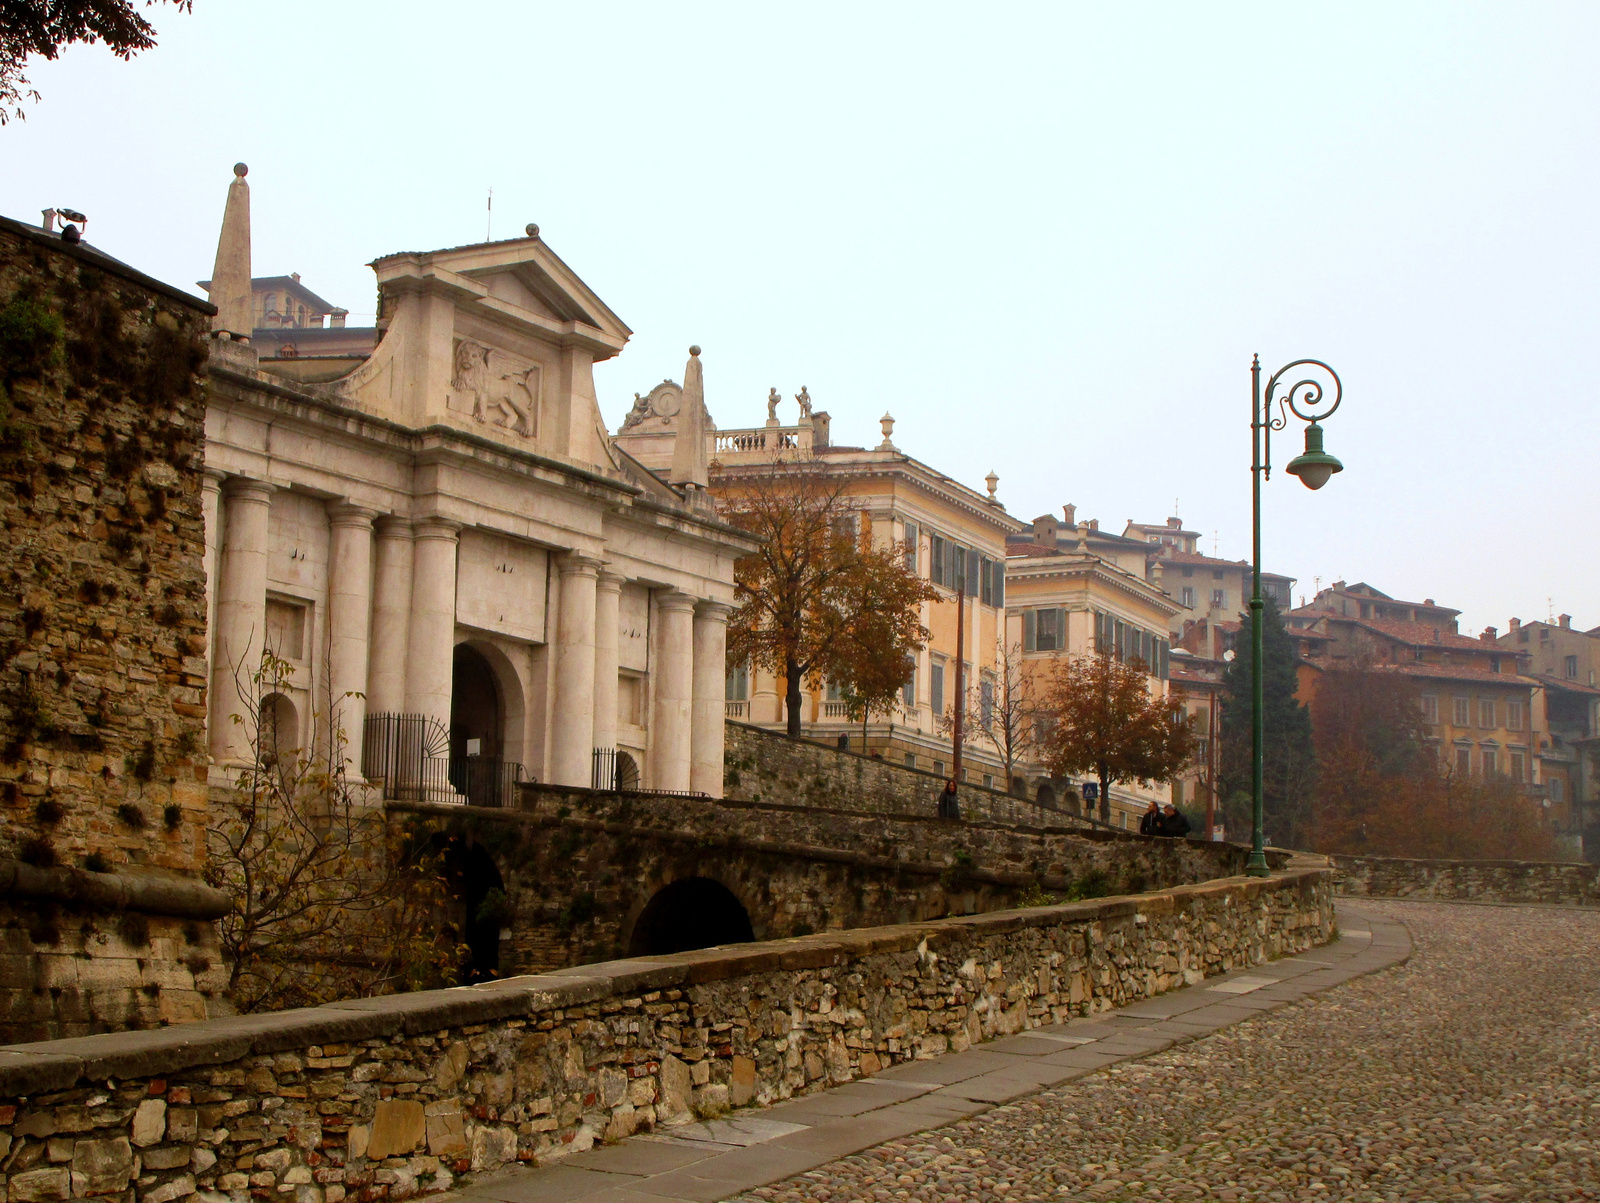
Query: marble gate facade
{"points": [[444, 529]]}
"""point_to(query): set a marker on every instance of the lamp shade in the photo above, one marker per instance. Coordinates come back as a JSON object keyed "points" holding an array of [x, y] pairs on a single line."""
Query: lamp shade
{"points": [[1316, 465]]}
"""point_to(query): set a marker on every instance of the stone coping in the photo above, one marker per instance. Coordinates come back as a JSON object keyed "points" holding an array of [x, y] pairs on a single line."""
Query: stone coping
{"points": [[125, 889], [29, 1069], [1572, 866]]}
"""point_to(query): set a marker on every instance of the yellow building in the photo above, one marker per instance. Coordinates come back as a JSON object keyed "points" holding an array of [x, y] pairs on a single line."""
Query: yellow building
{"points": [[1074, 591], [956, 538]]}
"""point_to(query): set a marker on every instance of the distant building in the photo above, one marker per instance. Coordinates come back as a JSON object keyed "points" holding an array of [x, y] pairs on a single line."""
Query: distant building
{"points": [[1196, 683], [955, 536], [289, 321]]}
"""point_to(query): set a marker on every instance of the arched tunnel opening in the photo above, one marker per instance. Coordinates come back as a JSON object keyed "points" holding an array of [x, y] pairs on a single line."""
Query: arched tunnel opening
{"points": [[483, 894], [695, 912]]}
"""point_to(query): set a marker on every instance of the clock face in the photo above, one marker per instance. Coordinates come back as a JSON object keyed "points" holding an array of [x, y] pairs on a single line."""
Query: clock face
{"points": [[666, 402]]}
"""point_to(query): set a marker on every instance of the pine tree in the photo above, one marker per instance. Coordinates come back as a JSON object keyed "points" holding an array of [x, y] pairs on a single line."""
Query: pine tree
{"points": [[1288, 757]]}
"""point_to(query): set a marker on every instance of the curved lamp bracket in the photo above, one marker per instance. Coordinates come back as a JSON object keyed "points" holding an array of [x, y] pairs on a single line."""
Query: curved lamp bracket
{"points": [[1309, 397]]}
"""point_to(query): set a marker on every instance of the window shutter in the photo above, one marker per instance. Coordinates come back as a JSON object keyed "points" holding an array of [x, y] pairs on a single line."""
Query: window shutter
{"points": [[1030, 639], [1000, 582], [973, 567], [935, 559], [911, 547]]}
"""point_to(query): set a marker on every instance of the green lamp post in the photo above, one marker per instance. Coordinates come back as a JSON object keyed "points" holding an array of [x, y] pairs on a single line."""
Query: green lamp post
{"points": [[1311, 398]]}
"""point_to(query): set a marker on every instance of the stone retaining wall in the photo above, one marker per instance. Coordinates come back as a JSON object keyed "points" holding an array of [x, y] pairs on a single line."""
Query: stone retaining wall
{"points": [[1554, 883], [390, 1097], [767, 766]]}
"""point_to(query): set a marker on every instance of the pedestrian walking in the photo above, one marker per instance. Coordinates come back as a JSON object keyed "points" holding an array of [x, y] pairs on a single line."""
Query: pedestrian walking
{"points": [[949, 807], [1173, 822], [1150, 821]]}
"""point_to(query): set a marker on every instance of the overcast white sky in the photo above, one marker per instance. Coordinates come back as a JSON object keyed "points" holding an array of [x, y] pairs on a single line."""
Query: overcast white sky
{"points": [[1046, 238]]}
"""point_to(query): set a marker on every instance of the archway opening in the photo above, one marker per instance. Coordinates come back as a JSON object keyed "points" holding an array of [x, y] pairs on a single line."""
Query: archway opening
{"points": [[627, 773], [483, 894], [278, 733], [1046, 795], [695, 912], [475, 729]]}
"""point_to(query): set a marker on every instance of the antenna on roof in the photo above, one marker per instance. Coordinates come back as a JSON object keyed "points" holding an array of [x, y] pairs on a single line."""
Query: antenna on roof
{"points": [[1213, 545], [488, 222]]}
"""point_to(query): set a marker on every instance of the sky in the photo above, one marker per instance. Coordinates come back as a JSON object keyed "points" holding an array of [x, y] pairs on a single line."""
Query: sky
{"points": [[1047, 238]]}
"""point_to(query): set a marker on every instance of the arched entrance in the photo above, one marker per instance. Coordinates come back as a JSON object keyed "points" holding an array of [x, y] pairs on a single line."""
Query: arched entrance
{"points": [[483, 894], [627, 773], [474, 706], [695, 912], [1047, 795]]}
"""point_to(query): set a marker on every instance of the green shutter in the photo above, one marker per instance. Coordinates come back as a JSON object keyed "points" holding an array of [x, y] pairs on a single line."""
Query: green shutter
{"points": [[1030, 638]]}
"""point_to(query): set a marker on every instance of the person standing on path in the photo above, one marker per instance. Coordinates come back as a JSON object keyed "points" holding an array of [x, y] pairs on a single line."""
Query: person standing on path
{"points": [[949, 807], [1173, 823], [1150, 821]]}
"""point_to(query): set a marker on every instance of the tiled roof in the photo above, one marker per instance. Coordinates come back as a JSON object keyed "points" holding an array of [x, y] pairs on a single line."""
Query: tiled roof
{"points": [[1456, 672], [1417, 633], [1194, 557], [1562, 683]]}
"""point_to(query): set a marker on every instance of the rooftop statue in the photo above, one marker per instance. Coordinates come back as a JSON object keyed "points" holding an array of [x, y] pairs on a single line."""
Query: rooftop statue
{"points": [[772, 405], [805, 402]]}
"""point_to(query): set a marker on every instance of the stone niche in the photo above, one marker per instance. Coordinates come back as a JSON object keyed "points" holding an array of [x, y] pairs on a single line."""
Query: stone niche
{"points": [[104, 920]]}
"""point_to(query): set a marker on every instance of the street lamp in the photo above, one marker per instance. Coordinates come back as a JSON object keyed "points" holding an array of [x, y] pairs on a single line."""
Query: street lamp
{"points": [[1308, 398]]}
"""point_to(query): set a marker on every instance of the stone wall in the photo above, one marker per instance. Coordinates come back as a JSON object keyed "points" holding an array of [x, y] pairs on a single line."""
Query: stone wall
{"points": [[579, 867], [767, 766], [102, 643], [391, 1097], [1562, 883]]}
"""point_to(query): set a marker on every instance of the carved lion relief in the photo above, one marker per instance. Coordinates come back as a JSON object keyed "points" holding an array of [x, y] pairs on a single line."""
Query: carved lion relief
{"points": [[496, 388]]}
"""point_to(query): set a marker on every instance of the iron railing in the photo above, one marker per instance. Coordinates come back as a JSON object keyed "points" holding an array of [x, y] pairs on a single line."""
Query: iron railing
{"points": [[617, 772], [409, 754]]}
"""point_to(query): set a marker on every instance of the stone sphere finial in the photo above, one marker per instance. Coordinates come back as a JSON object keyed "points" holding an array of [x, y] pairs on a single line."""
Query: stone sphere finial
{"points": [[240, 170], [694, 350], [531, 229]]}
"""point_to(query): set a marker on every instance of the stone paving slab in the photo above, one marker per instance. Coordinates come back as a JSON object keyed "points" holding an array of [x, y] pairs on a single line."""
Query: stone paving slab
{"points": [[718, 1159]]}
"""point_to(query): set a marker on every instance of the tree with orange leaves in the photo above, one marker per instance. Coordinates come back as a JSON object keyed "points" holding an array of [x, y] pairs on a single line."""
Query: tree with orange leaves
{"points": [[1100, 717], [818, 599]]}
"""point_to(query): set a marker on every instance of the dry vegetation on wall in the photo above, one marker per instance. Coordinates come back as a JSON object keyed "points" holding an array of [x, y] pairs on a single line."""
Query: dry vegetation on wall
{"points": [[1382, 791], [102, 610], [330, 902]]}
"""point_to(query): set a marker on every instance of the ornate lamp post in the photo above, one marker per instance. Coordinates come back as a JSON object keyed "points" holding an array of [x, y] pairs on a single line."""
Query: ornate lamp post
{"points": [[1308, 398]]}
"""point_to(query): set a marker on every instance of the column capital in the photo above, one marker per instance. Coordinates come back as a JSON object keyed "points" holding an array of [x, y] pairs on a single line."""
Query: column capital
{"points": [[610, 581], [212, 478], [392, 526], [436, 528], [342, 513], [246, 489], [675, 601], [572, 563], [714, 611]]}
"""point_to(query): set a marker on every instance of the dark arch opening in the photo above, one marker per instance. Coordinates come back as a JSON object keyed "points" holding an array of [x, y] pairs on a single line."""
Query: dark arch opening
{"points": [[1047, 795], [695, 912], [474, 705], [627, 773], [483, 893]]}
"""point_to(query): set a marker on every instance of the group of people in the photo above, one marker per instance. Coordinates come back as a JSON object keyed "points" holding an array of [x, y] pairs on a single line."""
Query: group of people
{"points": [[1165, 820]]}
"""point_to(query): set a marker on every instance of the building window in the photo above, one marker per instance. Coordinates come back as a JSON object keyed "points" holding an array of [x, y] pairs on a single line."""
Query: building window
{"points": [[1556, 789], [1463, 712], [1216, 574], [1463, 761], [1514, 716], [1494, 664], [832, 694], [739, 683], [1188, 571], [986, 700], [286, 629], [936, 688], [1572, 668], [1518, 766], [1218, 599], [988, 781], [1044, 630], [1186, 596], [1430, 708], [938, 768], [911, 760], [908, 691], [911, 548], [1491, 762], [1486, 713]]}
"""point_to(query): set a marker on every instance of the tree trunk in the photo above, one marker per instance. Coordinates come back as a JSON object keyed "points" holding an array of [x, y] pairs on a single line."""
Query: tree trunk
{"points": [[791, 698]]}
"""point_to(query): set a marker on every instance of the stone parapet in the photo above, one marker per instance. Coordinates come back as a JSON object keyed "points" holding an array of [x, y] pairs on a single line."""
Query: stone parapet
{"points": [[1554, 883], [405, 1094]]}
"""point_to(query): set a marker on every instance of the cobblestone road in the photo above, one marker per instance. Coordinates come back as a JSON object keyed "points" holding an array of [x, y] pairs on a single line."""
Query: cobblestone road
{"points": [[1472, 1072]]}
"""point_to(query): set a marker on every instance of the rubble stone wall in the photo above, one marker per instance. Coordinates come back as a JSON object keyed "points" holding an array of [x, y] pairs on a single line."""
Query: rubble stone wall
{"points": [[579, 866], [102, 646], [1555, 883], [406, 1094]]}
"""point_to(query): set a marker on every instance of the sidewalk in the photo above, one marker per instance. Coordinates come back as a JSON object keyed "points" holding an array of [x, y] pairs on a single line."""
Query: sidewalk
{"points": [[718, 1159]]}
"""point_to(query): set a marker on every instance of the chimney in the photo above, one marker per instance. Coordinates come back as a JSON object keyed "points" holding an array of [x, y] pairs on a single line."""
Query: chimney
{"points": [[1175, 523], [1566, 622], [1489, 635], [295, 276], [1513, 624], [1427, 601], [336, 318], [49, 222], [1044, 530], [1094, 524], [1070, 513]]}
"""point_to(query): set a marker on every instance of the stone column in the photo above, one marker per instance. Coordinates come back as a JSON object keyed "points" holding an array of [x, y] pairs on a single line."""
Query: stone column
{"points": [[391, 618], [674, 685], [710, 693], [572, 725], [349, 615], [607, 632], [431, 650], [211, 509], [241, 616]]}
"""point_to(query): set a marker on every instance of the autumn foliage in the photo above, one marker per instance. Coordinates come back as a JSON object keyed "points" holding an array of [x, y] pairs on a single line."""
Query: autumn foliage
{"points": [[1382, 791], [1099, 716], [819, 600]]}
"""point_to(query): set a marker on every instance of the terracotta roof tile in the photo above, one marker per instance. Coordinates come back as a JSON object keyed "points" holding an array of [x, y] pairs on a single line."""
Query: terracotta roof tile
{"points": [[1456, 672]]}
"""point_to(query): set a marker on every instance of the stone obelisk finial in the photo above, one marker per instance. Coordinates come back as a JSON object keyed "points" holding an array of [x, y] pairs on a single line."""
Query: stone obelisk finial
{"points": [[689, 466], [230, 277]]}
